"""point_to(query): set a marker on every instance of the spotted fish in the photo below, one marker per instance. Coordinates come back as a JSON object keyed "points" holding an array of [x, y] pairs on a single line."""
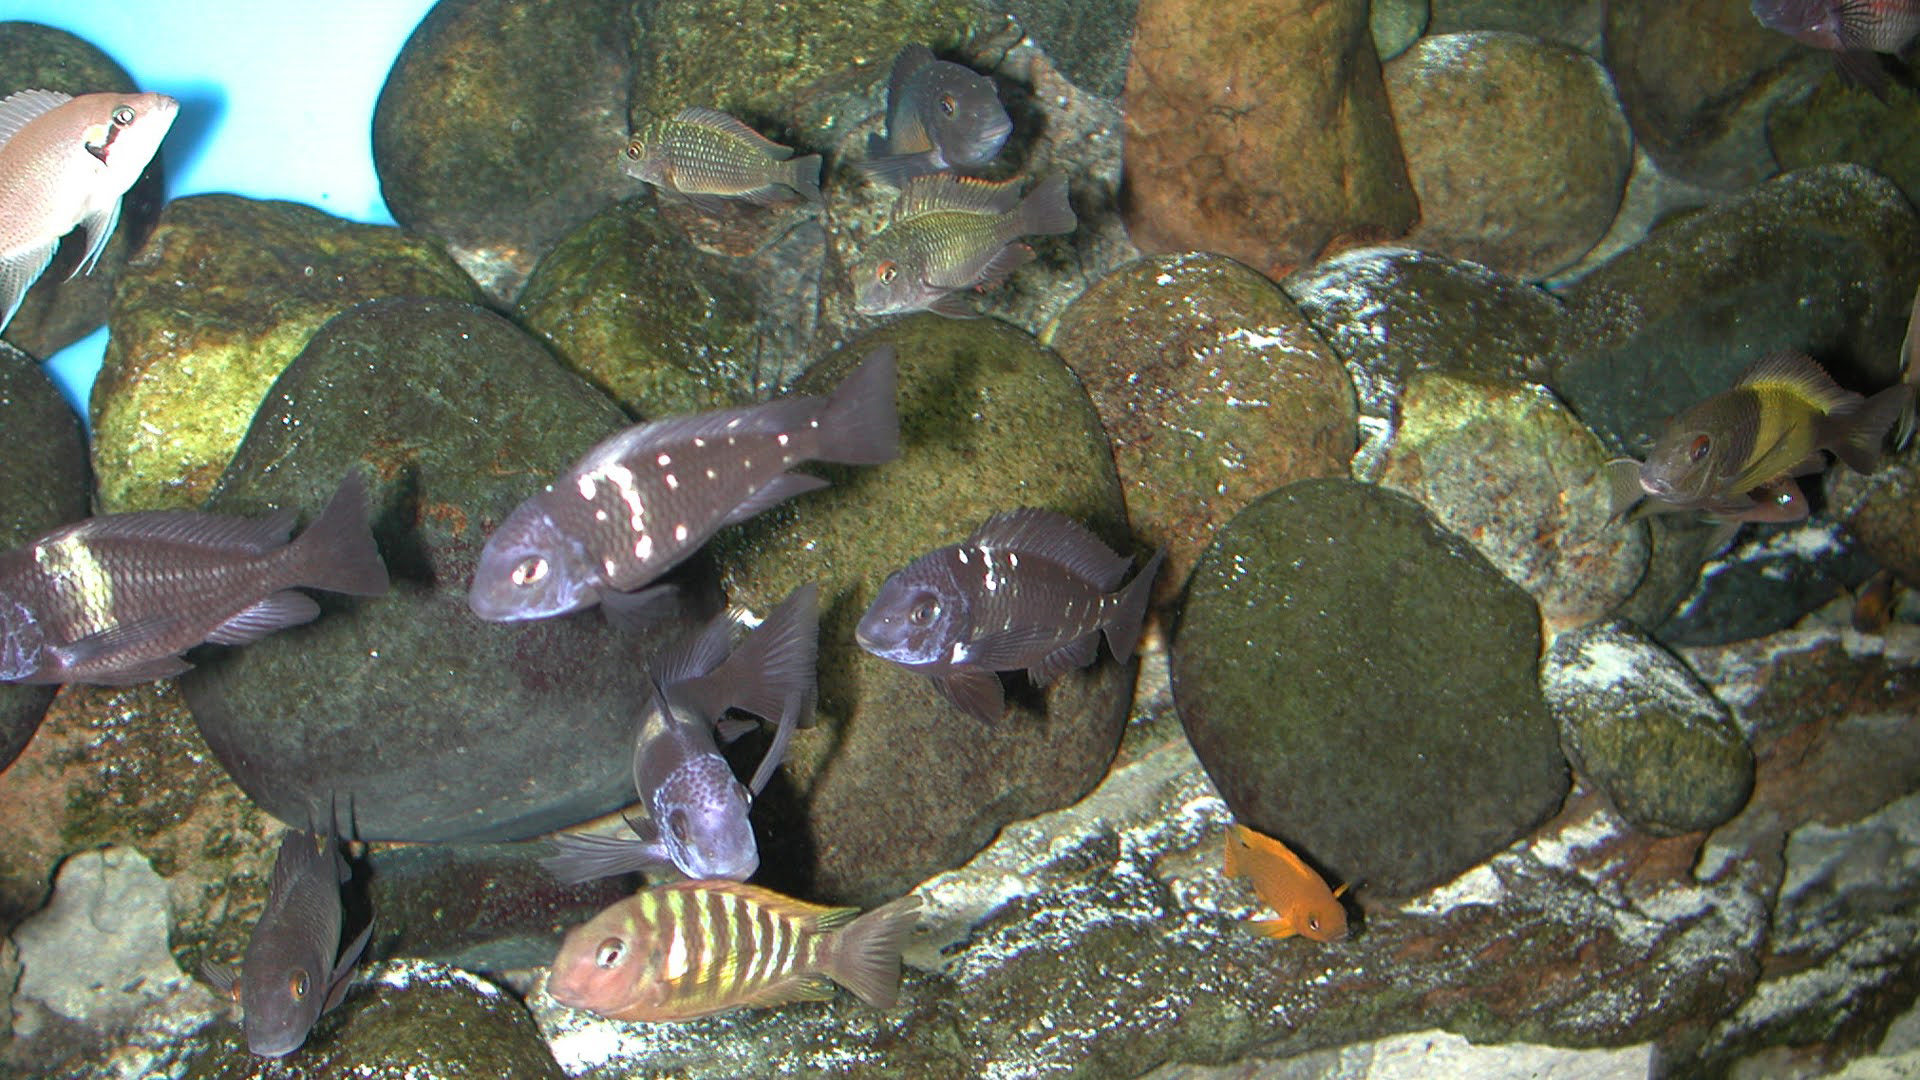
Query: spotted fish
{"points": [[675, 952], [117, 599], [643, 500], [1029, 589], [696, 819]]}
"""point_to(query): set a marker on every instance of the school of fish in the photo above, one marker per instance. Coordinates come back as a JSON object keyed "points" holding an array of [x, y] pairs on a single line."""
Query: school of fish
{"points": [[124, 598]]}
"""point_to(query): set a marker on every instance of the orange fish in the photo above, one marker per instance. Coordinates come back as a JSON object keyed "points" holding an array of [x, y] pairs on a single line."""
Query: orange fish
{"points": [[1305, 905]]}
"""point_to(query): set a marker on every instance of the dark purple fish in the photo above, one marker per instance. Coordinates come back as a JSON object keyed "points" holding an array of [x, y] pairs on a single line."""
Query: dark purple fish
{"points": [[696, 811], [645, 499], [1029, 589], [117, 599], [939, 115], [291, 975], [1853, 30]]}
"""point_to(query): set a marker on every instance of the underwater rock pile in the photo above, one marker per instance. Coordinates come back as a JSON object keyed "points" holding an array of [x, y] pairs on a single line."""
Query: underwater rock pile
{"points": [[1361, 303]]}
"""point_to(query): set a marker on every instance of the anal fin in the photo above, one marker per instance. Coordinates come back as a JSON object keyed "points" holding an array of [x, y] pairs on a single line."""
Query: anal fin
{"points": [[277, 612]]}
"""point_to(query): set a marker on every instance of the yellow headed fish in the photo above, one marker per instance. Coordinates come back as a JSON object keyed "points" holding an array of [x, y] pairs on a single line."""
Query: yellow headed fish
{"points": [[1300, 897]]}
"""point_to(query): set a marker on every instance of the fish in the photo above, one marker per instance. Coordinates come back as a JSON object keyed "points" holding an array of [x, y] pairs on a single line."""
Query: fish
{"points": [[1909, 373], [1299, 897], [638, 503], [65, 162], [1853, 30], [707, 157], [294, 969], [1735, 455], [1028, 589], [697, 812], [117, 599], [939, 115], [947, 234], [694, 948]]}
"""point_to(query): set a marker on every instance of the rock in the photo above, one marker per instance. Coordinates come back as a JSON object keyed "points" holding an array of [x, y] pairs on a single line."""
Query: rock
{"points": [[1822, 260], [1089, 43], [1396, 25], [1696, 78], [1433, 1053], [1642, 727], [1516, 147], [1504, 465], [455, 416], [60, 309], [1766, 582], [895, 783], [224, 296], [1268, 155], [1840, 121], [1213, 390], [1882, 512], [405, 1018], [47, 486], [1389, 312], [500, 126], [1360, 683], [626, 301], [1575, 22]]}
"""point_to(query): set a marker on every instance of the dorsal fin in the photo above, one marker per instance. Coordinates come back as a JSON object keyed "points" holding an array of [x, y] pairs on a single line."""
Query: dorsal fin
{"points": [[781, 414], [732, 125], [942, 191], [20, 109], [1797, 373], [1045, 534]]}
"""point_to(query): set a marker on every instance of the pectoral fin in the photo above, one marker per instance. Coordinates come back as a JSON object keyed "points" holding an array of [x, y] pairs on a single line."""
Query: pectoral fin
{"points": [[976, 693]]}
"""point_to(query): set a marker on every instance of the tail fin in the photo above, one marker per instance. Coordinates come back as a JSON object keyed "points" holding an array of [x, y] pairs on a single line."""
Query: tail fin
{"points": [[1857, 434], [804, 176], [771, 672], [860, 423], [337, 552], [1045, 211], [1123, 628], [866, 955]]}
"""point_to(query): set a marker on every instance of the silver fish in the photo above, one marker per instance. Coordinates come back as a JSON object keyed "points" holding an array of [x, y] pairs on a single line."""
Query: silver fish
{"points": [[707, 157], [291, 975], [946, 235], [1029, 589], [939, 115], [643, 500], [65, 162], [697, 812]]}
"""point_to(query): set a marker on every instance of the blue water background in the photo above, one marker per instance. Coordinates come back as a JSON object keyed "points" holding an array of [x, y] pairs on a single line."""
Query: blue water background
{"points": [[276, 102]]}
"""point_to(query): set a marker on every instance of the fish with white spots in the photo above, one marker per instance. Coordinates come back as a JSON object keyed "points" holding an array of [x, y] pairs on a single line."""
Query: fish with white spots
{"points": [[640, 502]]}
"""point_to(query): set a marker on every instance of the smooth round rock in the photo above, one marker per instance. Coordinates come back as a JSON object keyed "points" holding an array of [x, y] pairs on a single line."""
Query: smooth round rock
{"points": [[500, 127], [1576, 22], [1882, 512], [1505, 465], [1361, 683], [1516, 147], [225, 295], [60, 309], [895, 784], [429, 723], [1770, 578], [46, 487], [1396, 25], [1213, 389], [1643, 727], [1842, 121]]}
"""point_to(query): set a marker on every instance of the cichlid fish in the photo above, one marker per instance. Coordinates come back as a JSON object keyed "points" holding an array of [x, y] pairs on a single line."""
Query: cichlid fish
{"points": [[1029, 589], [1736, 454], [291, 975], [1909, 372], [643, 500], [947, 234], [939, 115], [707, 157], [697, 812], [1299, 897], [674, 952], [117, 599], [65, 162], [1853, 30]]}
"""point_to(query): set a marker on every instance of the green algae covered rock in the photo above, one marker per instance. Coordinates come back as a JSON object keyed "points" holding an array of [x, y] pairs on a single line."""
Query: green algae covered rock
{"points": [[222, 298], [1361, 683], [1842, 121], [894, 783]]}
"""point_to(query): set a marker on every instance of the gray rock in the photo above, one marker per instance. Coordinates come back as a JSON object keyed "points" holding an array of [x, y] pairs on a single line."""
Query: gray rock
{"points": [[421, 725], [1644, 728], [1396, 25], [1575, 22], [1882, 512], [47, 486], [1767, 581], [1421, 1054], [1360, 683], [1087, 42], [1842, 121]]}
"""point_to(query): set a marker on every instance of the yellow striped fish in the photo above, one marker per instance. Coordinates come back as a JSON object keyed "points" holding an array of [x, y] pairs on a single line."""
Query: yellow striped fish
{"points": [[674, 952]]}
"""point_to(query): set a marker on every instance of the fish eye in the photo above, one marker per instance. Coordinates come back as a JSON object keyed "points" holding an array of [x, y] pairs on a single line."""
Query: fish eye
{"points": [[297, 985], [529, 571], [924, 612], [1313, 922], [610, 952], [948, 104], [633, 151], [677, 825], [1701, 444], [123, 115], [886, 272]]}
